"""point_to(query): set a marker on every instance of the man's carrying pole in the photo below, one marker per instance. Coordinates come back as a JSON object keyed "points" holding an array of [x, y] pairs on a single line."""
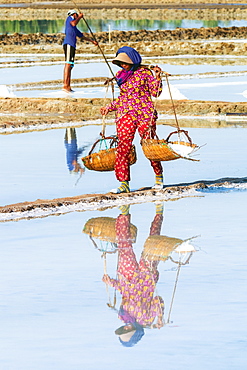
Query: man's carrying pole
{"points": [[91, 32]]}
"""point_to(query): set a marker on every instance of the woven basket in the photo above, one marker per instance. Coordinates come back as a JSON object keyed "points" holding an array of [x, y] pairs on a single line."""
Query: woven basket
{"points": [[159, 150], [104, 160], [104, 228], [159, 247]]}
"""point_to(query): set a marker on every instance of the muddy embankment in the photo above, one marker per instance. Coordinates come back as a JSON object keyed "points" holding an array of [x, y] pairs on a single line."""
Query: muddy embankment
{"points": [[31, 111], [46, 207], [221, 10], [192, 41], [48, 111], [206, 12], [101, 4], [147, 4]]}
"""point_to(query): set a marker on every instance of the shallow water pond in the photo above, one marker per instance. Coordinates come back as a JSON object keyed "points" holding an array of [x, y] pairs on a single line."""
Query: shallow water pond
{"points": [[38, 164], [57, 313], [193, 81]]}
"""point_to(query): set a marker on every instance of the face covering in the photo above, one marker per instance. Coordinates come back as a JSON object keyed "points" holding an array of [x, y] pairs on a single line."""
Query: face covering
{"points": [[124, 75]]}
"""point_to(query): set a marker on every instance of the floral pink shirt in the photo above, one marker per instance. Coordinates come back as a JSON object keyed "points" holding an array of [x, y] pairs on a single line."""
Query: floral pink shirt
{"points": [[136, 96], [138, 297]]}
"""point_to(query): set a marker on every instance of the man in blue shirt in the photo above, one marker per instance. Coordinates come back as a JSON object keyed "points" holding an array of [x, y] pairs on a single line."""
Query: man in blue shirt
{"points": [[69, 45]]}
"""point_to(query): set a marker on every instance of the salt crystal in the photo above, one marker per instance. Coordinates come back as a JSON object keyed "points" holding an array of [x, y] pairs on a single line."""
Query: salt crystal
{"points": [[5, 92], [185, 247], [181, 149]]}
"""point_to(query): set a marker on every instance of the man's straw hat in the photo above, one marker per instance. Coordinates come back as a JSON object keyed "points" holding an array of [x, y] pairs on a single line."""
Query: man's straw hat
{"points": [[122, 58]]}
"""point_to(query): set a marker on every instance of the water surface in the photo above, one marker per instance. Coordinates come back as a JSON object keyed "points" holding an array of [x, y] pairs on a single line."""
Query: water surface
{"points": [[55, 307], [100, 25], [37, 165], [225, 82]]}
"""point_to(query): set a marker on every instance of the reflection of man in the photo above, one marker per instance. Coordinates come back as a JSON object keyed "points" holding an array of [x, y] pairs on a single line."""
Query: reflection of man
{"points": [[72, 152], [69, 45], [136, 282]]}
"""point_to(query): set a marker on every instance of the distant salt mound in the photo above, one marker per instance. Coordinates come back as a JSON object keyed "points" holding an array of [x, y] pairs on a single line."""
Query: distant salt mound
{"points": [[176, 94], [244, 93], [5, 92]]}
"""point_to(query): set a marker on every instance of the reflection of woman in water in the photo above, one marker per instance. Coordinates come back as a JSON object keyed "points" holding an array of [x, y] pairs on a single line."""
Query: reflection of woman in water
{"points": [[136, 282], [72, 151]]}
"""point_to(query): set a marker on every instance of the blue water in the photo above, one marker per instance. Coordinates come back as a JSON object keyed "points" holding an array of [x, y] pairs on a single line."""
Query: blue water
{"points": [[54, 308], [37, 166], [99, 25], [199, 87]]}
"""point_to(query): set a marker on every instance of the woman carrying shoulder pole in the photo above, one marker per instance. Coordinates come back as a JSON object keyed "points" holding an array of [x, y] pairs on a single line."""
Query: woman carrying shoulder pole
{"points": [[134, 111]]}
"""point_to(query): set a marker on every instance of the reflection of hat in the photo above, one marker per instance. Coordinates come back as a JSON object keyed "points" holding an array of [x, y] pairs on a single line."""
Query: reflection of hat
{"points": [[128, 337], [131, 338], [72, 11], [122, 58], [124, 330]]}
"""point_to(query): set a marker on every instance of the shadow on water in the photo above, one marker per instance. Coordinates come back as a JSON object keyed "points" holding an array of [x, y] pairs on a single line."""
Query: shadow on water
{"points": [[140, 307], [72, 151]]}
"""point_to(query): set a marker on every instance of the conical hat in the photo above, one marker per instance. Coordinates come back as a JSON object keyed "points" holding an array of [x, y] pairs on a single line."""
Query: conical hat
{"points": [[122, 58]]}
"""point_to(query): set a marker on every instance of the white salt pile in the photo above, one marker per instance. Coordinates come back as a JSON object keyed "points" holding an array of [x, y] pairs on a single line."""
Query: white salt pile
{"points": [[182, 149], [5, 92], [176, 94], [185, 247]]}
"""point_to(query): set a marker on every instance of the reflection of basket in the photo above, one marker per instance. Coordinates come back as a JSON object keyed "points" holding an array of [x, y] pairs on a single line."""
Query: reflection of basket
{"points": [[159, 150], [159, 247], [103, 228], [104, 160]]}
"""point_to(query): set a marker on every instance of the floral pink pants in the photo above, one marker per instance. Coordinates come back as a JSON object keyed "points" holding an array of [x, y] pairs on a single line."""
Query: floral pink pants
{"points": [[126, 128], [127, 263]]}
